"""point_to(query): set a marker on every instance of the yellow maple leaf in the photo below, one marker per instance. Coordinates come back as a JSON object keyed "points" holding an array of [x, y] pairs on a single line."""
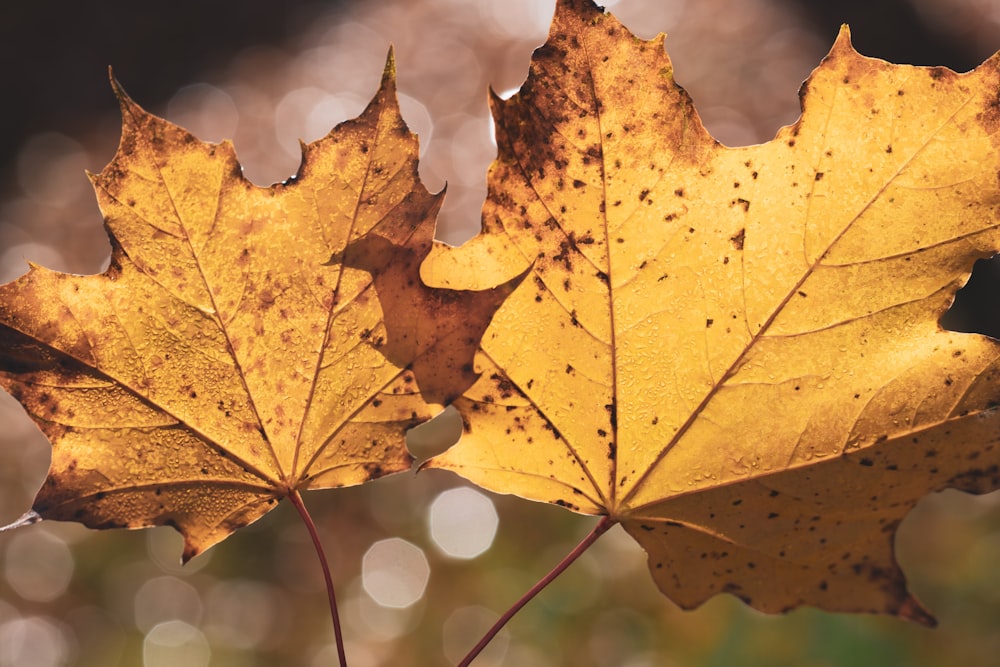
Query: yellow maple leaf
{"points": [[234, 352], [735, 352]]}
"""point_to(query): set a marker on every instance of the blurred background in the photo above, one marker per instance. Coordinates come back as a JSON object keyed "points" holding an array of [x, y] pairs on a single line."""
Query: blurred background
{"points": [[423, 565]]}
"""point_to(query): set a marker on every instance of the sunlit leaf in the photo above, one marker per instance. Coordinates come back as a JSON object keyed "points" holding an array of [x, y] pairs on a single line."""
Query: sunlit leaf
{"points": [[735, 352], [235, 350]]}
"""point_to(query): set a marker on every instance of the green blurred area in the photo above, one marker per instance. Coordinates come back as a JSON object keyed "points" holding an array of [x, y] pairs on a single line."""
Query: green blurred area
{"points": [[604, 611], [258, 599]]}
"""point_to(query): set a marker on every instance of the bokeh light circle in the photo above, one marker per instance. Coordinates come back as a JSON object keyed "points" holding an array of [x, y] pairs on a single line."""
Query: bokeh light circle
{"points": [[175, 643], [166, 598], [34, 640], [38, 565], [394, 572], [463, 522]]}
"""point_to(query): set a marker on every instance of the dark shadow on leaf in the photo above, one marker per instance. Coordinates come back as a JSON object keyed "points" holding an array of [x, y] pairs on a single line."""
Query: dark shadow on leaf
{"points": [[433, 331]]}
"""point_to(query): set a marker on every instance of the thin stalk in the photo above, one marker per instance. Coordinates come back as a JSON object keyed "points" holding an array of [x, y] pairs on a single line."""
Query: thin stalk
{"points": [[601, 528], [300, 507]]}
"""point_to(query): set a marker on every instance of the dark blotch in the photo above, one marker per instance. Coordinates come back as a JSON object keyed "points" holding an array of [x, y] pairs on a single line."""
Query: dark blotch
{"points": [[738, 239]]}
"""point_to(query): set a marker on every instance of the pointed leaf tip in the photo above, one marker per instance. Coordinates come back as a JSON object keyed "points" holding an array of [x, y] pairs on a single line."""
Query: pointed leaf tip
{"points": [[843, 40], [389, 72], [912, 610], [125, 101], [28, 518], [116, 85]]}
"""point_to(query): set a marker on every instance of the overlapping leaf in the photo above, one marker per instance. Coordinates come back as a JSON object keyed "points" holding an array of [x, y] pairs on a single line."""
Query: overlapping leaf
{"points": [[235, 349], [735, 352]]}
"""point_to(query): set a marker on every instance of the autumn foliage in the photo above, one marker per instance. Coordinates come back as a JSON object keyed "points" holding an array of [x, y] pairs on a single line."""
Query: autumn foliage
{"points": [[733, 352]]}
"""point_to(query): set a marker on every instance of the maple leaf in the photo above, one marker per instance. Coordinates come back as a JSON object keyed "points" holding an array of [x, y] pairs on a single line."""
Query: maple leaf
{"points": [[230, 355], [735, 352]]}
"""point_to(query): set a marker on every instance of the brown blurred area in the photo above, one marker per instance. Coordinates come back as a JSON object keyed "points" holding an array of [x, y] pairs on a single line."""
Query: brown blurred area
{"points": [[266, 76]]}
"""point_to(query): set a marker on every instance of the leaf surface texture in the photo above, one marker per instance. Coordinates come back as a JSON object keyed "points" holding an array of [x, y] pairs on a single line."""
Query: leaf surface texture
{"points": [[235, 349], [735, 351]]}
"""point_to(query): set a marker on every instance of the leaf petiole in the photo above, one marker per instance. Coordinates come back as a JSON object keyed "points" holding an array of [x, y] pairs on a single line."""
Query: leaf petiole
{"points": [[296, 500], [602, 527]]}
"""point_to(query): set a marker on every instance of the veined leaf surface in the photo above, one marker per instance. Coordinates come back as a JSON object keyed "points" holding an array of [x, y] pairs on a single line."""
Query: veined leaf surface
{"points": [[735, 352], [235, 350]]}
